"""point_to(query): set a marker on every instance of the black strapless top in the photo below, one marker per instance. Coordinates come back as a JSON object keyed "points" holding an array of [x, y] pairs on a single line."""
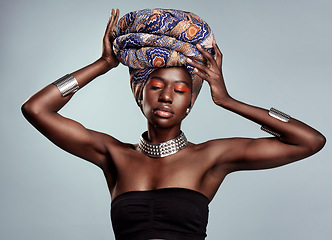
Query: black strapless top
{"points": [[167, 213]]}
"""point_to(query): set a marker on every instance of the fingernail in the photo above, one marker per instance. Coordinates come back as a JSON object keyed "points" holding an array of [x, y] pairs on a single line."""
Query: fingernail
{"points": [[189, 60]]}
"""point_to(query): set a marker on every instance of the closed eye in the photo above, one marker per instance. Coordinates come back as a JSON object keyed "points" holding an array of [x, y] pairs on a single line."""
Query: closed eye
{"points": [[156, 87], [155, 84], [181, 89], [178, 91]]}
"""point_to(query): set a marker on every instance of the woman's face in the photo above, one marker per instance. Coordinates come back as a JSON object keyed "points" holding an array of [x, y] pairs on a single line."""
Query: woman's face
{"points": [[166, 96]]}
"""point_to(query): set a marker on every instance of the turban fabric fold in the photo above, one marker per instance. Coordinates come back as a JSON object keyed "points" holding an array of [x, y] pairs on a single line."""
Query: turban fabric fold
{"points": [[149, 39]]}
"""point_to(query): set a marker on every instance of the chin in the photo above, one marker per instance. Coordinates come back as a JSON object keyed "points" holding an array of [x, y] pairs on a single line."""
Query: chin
{"points": [[164, 123]]}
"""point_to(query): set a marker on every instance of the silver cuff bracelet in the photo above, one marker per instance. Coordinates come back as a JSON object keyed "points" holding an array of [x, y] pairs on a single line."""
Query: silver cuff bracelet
{"points": [[279, 115], [270, 131], [66, 85]]}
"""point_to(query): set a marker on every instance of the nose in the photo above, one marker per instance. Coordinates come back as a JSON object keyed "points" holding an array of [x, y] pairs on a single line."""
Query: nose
{"points": [[166, 95]]}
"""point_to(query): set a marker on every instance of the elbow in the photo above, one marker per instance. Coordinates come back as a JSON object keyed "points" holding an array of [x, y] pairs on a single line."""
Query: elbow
{"points": [[30, 110], [316, 143], [321, 141], [26, 109]]}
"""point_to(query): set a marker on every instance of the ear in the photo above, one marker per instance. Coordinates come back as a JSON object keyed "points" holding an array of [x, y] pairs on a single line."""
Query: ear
{"points": [[140, 104]]}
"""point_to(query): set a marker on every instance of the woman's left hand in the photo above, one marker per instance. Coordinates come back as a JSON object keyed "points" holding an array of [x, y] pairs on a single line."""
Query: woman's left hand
{"points": [[212, 73]]}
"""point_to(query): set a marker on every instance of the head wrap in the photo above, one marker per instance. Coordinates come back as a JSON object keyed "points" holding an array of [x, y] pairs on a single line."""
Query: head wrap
{"points": [[149, 39]]}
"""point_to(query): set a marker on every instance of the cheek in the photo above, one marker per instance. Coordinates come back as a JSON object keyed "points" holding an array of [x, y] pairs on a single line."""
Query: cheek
{"points": [[184, 102], [147, 99]]}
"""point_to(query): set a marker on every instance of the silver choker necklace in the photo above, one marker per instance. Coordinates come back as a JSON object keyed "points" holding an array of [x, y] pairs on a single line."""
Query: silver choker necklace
{"points": [[157, 150]]}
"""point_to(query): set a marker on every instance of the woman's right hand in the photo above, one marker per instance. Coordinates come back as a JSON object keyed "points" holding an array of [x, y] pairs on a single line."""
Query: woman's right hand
{"points": [[108, 39]]}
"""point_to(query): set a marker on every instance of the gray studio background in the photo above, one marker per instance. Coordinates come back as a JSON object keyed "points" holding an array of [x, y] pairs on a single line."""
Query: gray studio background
{"points": [[276, 53]]}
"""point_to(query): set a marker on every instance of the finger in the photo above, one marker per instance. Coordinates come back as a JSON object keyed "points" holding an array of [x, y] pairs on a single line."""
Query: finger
{"points": [[208, 69], [111, 25], [114, 23], [207, 55], [218, 54], [209, 78], [114, 17], [107, 31], [204, 52], [199, 66], [117, 14], [201, 74]]}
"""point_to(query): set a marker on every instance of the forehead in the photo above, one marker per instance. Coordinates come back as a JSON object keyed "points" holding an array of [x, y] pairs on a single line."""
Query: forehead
{"points": [[172, 74]]}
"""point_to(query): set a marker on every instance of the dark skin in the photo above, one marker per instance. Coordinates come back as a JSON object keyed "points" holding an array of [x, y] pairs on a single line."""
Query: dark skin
{"points": [[166, 96]]}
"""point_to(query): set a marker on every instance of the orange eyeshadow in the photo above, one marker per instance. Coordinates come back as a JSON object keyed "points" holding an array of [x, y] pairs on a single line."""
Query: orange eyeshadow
{"points": [[181, 88], [155, 83]]}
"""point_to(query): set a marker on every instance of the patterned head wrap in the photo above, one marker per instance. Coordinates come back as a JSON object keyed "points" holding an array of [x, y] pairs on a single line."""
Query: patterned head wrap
{"points": [[149, 39]]}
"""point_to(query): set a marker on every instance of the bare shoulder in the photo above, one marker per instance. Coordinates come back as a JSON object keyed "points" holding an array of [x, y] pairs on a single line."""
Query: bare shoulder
{"points": [[111, 143], [223, 148], [216, 158], [112, 147], [224, 154]]}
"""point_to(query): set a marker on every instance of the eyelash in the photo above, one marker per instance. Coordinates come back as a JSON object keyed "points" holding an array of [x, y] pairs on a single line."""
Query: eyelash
{"points": [[155, 87], [179, 91]]}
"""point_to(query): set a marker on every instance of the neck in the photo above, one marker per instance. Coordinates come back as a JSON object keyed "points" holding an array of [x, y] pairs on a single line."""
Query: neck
{"points": [[158, 135], [163, 149]]}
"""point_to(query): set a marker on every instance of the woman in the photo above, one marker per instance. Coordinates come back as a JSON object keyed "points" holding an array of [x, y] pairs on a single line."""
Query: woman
{"points": [[162, 190]]}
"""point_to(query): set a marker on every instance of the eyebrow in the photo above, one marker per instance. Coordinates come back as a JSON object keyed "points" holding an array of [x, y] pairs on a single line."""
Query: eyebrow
{"points": [[159, 78], [163, 80]]}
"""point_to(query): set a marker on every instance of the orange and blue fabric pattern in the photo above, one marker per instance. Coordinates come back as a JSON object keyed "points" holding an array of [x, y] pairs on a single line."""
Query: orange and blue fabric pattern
{"points": [[148, 39]]}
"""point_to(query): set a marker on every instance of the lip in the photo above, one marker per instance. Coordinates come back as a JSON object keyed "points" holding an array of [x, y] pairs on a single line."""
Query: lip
{"points": [[163, 111]]}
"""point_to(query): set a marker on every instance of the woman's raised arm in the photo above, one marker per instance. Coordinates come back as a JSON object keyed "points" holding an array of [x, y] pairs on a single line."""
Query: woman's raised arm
{"points": [[41, 109], [295, 139]]}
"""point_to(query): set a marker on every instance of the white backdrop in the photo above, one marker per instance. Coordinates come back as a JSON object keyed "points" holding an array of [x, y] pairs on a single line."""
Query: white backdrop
{"points": [[276, 53]]}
